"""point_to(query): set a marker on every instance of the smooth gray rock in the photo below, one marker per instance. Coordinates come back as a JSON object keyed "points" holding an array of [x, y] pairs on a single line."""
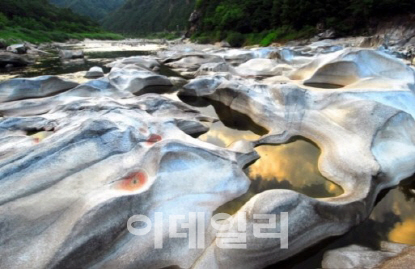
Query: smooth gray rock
{"points": [[237, 56], [259, 67], [17, 48], [23, 88], [71, 54], [210, 68], [390, 255], [377, 124], [354, 68], [138, 82], [178, 82], [95, 72], [86, 168], [191, 61], [11, 58], [136, 62], [202, 86]]}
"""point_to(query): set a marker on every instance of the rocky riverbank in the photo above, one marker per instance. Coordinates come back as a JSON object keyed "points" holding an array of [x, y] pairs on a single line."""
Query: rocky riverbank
{"points": [[77, 160]]}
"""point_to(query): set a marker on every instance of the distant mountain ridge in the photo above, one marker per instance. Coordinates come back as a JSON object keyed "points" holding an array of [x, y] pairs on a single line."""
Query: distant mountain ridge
{"points": [[149, 16], [95, 9]]}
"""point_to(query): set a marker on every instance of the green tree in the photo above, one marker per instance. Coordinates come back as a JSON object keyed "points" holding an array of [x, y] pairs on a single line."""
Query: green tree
{"points": [[3, 21]]}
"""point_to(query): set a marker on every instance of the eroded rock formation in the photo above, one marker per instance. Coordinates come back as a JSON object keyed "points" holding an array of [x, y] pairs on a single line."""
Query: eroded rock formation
{"points": [[77, 161]]}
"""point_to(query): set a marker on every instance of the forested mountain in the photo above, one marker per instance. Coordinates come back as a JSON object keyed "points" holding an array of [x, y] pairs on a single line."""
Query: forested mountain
{"points": [[149, 16], [95, 9], [40, 21], [277, 19]]}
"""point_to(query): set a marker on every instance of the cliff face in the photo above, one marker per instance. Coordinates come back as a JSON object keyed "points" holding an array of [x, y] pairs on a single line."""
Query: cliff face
{"points": [[400, 29], [144, 16], [95, 9]]}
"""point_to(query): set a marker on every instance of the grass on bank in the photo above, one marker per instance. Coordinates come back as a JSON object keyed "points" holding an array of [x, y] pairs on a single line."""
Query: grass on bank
{"points": [[52, 25], [265, 38], [13, 35]]}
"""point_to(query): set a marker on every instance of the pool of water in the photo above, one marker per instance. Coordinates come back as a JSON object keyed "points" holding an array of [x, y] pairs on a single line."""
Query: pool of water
{"points": [[291, 166], [393, 219], [53, 65], [295, 166]]}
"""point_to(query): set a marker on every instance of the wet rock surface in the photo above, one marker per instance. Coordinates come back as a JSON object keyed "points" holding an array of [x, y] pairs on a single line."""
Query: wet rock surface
{"points": [[77, 161]]}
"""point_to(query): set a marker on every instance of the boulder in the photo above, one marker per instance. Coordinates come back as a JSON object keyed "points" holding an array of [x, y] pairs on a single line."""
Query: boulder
{"points": [[356, 68], [138, 82], [95, 88], [178, 82], [202, 86], [17, 48], [259, 67], [209, 68], [23, 88], [390, 255], [136, 62], [191, 61], [11, 58], [71, 54], [95, 72], [237, 56]]}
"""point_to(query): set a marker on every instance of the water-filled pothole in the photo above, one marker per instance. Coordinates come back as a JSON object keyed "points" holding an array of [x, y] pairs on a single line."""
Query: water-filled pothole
{"points": [[292, 166]]}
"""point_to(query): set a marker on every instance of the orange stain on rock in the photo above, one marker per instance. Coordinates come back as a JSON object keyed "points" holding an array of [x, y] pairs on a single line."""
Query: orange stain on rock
{"points": [[133, 182], [154, 138]]}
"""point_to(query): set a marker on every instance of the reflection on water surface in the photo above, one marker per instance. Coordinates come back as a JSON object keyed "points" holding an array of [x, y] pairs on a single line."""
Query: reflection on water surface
{"points": [[291, 166], [52, 64], [393, 219], [294, 165]]}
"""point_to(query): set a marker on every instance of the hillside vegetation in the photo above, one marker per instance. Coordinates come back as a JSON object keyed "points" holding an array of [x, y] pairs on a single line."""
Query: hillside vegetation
{"points": [[38, 21], [95, 9], [138, 17], [265, 21]]}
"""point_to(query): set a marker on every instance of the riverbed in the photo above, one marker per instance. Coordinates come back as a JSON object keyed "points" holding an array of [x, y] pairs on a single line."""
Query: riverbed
{"points": [[293, 165]]}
